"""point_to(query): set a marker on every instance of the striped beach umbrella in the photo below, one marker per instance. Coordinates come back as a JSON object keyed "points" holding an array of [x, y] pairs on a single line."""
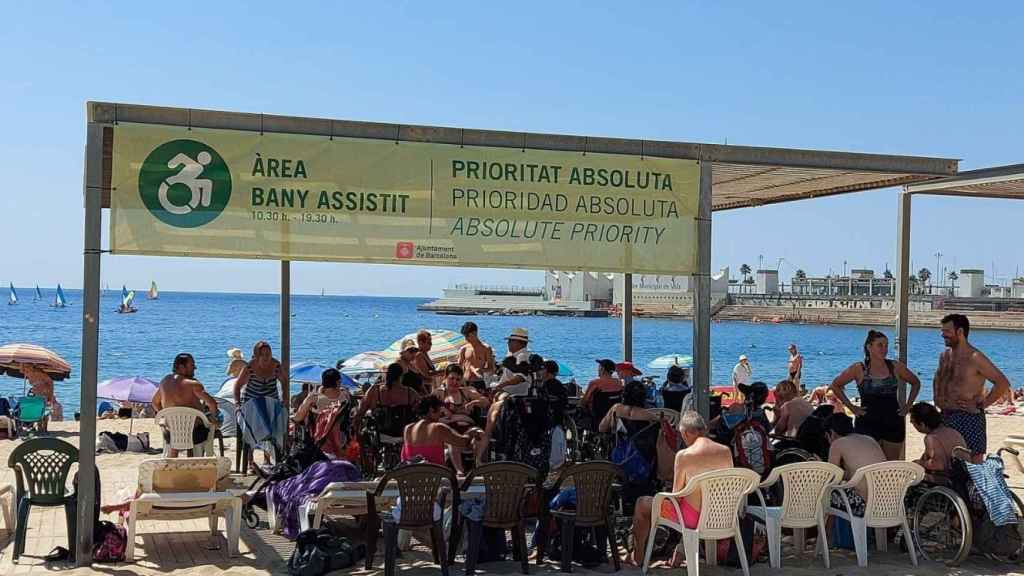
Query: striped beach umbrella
{"points": [[365, 362], [12, 356], [444, 346]]}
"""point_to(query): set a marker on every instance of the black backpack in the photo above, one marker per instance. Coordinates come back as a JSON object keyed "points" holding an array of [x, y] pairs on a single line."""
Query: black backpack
{"points": [[319, 551]]}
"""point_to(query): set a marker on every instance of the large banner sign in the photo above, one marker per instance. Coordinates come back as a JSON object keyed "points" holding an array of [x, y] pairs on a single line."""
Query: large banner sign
{"points": [[229, 193]]}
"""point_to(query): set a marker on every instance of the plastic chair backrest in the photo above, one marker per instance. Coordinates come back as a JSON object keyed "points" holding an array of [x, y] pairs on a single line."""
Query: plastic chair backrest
{"points": [[180, 421], [593, 481], [168, 475], [418, 487], [804, 485], [505, 485], [887, 484], [31, 408], [722, 494], [42, 467], [602, 403]]}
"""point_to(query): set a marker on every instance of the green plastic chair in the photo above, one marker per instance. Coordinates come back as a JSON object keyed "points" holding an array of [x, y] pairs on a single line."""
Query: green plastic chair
{"points": [[41, 468], [31, 410]]}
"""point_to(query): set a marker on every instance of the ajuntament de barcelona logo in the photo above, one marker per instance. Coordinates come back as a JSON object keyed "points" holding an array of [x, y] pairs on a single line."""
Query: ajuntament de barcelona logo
{"points": [[185, 183]]}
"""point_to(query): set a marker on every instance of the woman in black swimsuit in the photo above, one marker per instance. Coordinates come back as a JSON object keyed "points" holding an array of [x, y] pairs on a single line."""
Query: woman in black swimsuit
{"points": [[883, 402], [393, 402]]}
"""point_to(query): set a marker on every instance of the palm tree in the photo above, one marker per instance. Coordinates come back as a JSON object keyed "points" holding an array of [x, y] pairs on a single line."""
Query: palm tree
{"points": [[924, 275], [887, 274], [801, 275], [745, 270], [953, 277]]}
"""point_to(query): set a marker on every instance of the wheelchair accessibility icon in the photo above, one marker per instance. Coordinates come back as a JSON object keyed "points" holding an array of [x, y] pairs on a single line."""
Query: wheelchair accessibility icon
{"points": [[185, 183]]}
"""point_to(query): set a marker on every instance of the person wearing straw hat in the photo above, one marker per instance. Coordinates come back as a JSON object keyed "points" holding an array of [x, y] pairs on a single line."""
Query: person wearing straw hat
{"points": [[514, 381], [235, 363], [406, 354]]}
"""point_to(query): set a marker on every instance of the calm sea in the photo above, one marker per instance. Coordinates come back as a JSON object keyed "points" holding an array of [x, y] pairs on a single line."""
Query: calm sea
{"points": [[327, 329]]}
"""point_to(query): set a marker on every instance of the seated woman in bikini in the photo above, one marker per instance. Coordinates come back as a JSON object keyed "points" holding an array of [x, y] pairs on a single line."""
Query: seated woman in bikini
{"points": [[428, 437]]}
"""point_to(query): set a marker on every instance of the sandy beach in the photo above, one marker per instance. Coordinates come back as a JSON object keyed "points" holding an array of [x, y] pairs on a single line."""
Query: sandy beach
{"points": [[182, 547]]}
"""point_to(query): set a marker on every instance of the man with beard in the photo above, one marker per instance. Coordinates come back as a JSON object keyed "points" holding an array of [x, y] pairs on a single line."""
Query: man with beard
{"points": [[180, 388], [959, 384]]}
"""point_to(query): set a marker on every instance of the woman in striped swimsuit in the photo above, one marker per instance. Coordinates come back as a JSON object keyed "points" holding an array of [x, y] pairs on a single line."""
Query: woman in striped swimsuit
{"points": [[262, 378]]}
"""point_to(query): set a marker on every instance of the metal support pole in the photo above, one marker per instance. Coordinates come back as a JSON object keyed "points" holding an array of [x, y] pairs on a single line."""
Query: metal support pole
{"points": [[286, 325], [627, 318], [92, 190], [702, 297], [903, 273]]}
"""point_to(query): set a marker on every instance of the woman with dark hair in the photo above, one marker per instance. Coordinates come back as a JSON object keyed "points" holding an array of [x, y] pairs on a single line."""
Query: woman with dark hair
{"points": [[939, 439], [428, 437], [883, 401], [392, 400], [317, 401], [632, 411]]}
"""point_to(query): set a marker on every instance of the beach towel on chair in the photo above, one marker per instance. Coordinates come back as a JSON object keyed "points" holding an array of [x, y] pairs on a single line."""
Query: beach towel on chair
{"points": [[264, 424], [991, 486]]}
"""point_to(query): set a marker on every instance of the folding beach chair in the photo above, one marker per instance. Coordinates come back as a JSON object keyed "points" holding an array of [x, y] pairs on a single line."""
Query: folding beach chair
{"points": [[29, 411]]}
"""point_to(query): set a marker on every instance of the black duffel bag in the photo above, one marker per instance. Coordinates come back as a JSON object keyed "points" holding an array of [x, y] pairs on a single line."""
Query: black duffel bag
{"points": [[319, 551]]}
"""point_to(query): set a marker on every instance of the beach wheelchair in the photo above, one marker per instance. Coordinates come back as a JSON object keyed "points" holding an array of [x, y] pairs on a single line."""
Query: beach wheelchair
{"points": [[949, 519]]}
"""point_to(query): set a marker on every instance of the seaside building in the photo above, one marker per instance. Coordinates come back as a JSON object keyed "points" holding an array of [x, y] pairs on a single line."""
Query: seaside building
{"points": [[860, 282], [970, 283]]}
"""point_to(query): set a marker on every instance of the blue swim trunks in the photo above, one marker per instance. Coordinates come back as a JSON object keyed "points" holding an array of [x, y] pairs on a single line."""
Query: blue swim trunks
{"points": [[971, 426]]}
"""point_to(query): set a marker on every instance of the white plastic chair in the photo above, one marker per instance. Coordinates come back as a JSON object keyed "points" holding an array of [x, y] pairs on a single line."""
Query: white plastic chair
{"points": [[180, 421], [668, 414], [805, 486], [723, 493], [7, 505], [887, 484], [184, 489]]}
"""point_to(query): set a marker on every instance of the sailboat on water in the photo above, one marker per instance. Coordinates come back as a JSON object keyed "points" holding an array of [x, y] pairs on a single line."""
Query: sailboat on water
{"points": [[13, 298], [39, 294], [59, 300], [153, 294], [127, 297]]}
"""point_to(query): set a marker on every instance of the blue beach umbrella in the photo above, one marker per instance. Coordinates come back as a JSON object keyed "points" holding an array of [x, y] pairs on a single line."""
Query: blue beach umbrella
{"points": [[662, 362], [565, 371], [311, 372]]}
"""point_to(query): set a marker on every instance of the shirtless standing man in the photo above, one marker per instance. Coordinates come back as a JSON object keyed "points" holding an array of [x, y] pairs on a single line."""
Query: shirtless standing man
{"points": [[959, 385], [700, 455], [180, 388], [476, 358], [796, 366]]}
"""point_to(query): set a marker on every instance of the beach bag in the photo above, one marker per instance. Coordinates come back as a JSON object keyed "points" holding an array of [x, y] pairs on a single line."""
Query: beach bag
{"points": [[750, 446], [628, 456], [110, 541], [138, 442], [319, 551]]}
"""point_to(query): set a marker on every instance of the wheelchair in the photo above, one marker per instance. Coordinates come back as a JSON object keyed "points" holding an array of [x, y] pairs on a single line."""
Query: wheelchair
{"points": [[944, 517]]}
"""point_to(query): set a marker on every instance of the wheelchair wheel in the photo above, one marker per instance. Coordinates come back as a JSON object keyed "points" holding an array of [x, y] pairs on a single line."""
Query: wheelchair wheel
{"points": [[251, 519], [1018, 508], [793, 456], [942, 526]]}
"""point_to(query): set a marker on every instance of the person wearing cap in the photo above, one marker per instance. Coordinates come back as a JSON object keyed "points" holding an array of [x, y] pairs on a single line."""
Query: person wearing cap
{"points": [[605, 382], [421, 362], [406, 354], [235, 363], [742, 373], [476, 358], [627, 372]]}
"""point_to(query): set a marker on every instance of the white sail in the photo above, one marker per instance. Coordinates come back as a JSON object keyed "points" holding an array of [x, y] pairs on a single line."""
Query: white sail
{"points": [[13, 298], [153, 294], [129, 299]]}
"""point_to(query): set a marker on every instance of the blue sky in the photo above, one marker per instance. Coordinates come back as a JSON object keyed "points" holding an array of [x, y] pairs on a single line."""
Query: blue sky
{"points": [[922, 78]]}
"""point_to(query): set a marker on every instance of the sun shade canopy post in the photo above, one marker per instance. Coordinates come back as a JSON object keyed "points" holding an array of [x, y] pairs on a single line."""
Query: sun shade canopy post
{"points": [[998, 182]]}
